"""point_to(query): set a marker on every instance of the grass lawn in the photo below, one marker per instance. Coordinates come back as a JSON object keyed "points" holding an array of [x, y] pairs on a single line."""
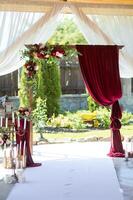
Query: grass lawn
{"points": [[126, 131]]}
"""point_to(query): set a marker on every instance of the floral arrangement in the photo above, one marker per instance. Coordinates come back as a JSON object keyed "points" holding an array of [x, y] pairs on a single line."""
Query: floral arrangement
{"points": [[4, 138], [34, 53], [40, 76], [24, 113], [31, 68]]}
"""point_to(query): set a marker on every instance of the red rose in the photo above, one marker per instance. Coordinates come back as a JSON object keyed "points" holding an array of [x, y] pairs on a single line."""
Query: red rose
{"points": [[31, 68], [40, 55], [58, 52], [26, 65], [29, 63], [30, 74]]}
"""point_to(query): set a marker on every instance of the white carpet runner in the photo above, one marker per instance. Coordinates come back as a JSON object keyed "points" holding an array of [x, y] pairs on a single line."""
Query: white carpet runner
{"points": [[70, 179]]}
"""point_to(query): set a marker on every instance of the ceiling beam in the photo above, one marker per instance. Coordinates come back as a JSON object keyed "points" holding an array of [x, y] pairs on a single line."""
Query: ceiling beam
{"points": [[110, 7], [107, 2]]}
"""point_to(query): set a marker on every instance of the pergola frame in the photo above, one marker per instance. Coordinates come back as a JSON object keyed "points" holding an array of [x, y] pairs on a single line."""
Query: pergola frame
{"points": [[117, 7]]}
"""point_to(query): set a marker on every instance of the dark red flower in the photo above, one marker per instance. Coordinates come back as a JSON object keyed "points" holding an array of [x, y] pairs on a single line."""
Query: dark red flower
{"points": [[29, 63], [58, 52], [24, 111], [4, 138], [40, 55], [30, 74], [30, 68]]}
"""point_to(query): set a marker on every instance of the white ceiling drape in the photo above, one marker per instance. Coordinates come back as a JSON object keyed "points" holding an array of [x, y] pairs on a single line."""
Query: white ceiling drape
{"points": [[17, 29], [109, 30]]}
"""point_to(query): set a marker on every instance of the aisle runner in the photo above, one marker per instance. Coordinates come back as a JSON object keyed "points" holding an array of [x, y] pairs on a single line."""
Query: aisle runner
{"points": [[84, 179]]}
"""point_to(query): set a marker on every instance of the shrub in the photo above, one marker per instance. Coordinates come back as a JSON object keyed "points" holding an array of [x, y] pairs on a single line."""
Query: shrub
{"points": [[39, 114], [24, 91], [126, 118], [103, 117], [88, 116], [82, 119], [52, 86], [68, 120], [92, 105]]}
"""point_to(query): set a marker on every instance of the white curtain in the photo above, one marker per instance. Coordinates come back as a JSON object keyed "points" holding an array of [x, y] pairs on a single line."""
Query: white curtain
{"points": [[16, 32], [13, 24], [17, 29], [109, 30]]}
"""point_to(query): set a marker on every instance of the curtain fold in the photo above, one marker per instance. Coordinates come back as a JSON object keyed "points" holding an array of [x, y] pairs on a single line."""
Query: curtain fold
{"points": [[100, 70], [40, 31]]}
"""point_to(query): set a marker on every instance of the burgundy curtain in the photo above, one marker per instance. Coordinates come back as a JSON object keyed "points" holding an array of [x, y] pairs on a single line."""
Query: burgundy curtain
{"points": [[100, 70], [22, 136]]}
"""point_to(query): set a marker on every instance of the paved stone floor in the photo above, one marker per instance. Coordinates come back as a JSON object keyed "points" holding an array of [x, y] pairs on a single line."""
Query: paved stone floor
{"points": [[124, 169], [4, 190]]}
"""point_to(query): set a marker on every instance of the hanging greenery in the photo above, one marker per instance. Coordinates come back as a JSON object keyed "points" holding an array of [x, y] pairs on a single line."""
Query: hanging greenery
{"points": [[41, 74], [27, 86]]}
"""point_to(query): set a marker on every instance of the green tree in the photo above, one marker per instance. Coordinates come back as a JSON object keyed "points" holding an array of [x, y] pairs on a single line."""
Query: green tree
{"points": [[23, 91], [52, 86], [40, 116], [92, 104], [27, 87], [40, 81], [67, 31]]}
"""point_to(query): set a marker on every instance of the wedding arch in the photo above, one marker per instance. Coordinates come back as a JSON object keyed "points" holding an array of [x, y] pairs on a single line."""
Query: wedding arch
{"points": [[98, 30]]}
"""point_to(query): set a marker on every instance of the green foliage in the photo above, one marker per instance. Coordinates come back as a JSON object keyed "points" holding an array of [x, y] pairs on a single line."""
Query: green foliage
{"points": [[41, 74], [39, 114], [51, 86], [99, 119], [23, 91], [26, 87], [68, 120], [92, 105], [67, 31], [40, 82], [126, 118], [103, 117]]}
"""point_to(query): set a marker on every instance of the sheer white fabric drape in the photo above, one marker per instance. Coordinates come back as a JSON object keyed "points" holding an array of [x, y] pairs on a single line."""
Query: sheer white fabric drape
{"points": [[13, 40], [105, 30], [13, 24], [17, 29]]}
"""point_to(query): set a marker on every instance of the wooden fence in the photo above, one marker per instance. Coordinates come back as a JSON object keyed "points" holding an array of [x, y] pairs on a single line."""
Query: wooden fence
{"points": [[71, 82], [9, 84]]}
